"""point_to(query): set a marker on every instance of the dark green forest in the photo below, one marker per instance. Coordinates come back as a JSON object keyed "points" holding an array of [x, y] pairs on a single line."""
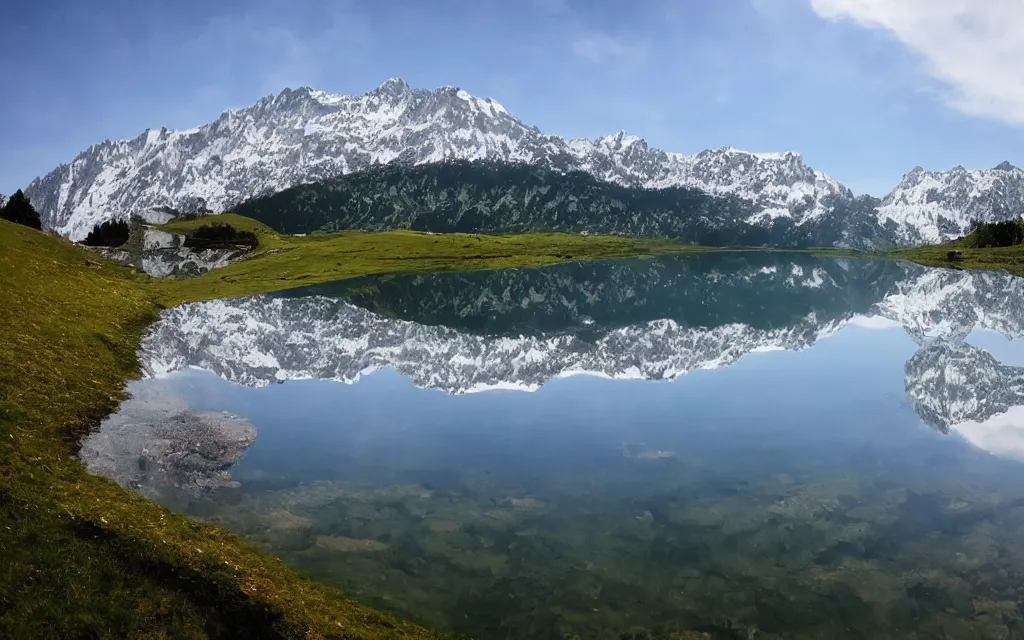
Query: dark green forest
{"points": [[496, 197], [18, 209], [997, 234]]}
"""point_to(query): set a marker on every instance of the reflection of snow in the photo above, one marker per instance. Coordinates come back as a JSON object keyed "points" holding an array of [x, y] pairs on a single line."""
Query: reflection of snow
{"points": [[166, 263], [951, 385], [164, 255], [257, 340], [1002, 434], [874, 322]]}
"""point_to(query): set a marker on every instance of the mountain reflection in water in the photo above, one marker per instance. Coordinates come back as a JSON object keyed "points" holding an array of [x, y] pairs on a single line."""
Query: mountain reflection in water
{"points": [[782, 486]]}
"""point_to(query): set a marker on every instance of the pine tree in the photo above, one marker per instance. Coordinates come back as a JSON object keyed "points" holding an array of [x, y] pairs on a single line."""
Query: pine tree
{"points": [[19, 209], [112, 233]]}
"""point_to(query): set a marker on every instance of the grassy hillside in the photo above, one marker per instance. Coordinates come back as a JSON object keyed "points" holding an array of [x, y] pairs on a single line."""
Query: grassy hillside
{"points": [[282, 261], [82, 557], [1009, 259], [79, 556]]}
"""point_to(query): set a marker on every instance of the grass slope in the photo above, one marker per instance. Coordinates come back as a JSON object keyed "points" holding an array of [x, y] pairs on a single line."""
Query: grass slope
{"points": [[282, 262], [1009, 259], [82, 557]]}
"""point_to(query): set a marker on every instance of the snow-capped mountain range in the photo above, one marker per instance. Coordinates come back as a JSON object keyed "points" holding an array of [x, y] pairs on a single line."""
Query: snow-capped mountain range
{"points": [[304, 135], [934, 206]]}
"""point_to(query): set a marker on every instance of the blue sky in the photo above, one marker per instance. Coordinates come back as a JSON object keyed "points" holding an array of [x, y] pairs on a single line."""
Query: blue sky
{"points": [[865, 89]]}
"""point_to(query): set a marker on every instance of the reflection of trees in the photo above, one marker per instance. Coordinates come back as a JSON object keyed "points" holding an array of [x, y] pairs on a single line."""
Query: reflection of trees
{"points": [[649, 319], [761, 290]]}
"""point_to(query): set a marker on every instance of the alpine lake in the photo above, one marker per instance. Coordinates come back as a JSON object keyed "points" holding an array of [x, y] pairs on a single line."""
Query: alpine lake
{"points": [[709, 445]]}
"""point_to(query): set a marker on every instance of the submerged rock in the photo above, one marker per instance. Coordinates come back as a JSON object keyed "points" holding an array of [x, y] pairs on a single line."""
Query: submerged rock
{"points": [[155, 443]]}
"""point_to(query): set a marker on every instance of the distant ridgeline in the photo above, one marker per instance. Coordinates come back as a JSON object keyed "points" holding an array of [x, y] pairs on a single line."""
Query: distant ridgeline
{"points": [[497, 197]]}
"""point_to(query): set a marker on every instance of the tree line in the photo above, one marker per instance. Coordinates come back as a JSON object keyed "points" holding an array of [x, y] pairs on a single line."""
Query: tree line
{"points": [[18, 209], [998, 234]]}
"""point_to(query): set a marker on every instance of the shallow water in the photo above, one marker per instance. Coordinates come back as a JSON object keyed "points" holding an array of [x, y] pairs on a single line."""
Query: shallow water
{"points": [[747, 445]]}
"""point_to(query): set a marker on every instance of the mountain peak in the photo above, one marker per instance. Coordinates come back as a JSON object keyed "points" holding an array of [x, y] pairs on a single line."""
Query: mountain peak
{"points": [[619, 139], [935, 206], [761, 155], [304, 135], [392, 86]]}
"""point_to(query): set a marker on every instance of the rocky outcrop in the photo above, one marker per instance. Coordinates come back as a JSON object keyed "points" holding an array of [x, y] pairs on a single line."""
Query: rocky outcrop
{"points": [[156, 444]]}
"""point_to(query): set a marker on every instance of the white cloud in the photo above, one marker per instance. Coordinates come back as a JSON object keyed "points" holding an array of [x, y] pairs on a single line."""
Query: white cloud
{"points": [[600, 47], [973, 47], [1002, 434]]}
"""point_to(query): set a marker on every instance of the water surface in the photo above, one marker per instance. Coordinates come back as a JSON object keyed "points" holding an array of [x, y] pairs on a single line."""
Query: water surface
{"points": [[746, 445]]}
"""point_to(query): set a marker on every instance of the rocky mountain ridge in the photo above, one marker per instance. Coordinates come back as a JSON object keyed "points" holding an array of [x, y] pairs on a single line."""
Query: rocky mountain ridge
{"points": [[935, 206], [304, 135]]}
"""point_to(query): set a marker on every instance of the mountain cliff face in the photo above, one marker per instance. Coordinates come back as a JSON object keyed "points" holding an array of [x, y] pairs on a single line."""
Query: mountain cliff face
{"points": [[303, 135], [934, 206]]}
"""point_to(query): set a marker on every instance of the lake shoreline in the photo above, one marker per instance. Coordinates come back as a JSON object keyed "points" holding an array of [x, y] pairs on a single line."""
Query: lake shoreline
{"points": [[100, 557], [74, 325]]}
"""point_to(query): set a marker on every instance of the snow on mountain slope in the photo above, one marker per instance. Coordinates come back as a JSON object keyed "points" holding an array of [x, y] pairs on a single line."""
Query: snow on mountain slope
{"points": [[305, 135], [935, 206]]}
